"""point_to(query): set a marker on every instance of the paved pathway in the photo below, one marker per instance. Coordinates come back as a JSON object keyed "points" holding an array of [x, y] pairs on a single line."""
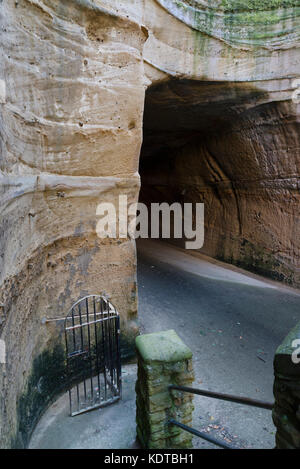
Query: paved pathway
{"points": [[232, 321]]}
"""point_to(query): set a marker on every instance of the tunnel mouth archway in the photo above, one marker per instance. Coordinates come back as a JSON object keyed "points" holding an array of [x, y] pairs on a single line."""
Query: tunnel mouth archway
{"points": [[217, 143]]}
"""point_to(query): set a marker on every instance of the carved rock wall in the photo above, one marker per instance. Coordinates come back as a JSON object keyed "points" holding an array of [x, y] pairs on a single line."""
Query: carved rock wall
{"points": [[71, 130]]}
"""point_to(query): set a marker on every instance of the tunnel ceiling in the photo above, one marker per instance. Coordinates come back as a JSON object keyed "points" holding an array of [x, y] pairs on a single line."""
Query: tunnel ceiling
{"points": [[180, 111]]}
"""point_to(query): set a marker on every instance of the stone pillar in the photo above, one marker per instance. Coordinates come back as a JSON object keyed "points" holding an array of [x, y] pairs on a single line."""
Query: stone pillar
{"points": [[163, 359], [286, 413]]}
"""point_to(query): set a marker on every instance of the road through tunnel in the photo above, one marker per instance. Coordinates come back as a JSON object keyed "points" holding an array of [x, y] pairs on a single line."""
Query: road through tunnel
{"points": [[225, 145]]}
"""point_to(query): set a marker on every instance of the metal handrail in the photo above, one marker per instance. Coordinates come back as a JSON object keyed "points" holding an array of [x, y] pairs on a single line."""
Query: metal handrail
{"points": [[216, 395], [225, 397], [202, 435]]}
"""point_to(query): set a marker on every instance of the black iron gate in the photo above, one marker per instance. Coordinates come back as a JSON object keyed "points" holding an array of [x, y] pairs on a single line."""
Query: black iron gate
{"points": [[92, 332]]}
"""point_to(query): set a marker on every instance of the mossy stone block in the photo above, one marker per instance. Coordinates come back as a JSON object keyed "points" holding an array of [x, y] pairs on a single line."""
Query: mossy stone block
{"points": [[283, 363], [160, 401], [162, 347]]}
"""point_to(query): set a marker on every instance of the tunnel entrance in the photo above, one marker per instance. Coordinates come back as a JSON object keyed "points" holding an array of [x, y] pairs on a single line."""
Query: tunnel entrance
{"points": [[209, 142]]}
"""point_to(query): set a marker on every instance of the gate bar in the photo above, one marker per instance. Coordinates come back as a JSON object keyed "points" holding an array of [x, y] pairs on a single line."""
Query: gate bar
{"points": [[103, 330], [202, 435], [225, 397], [97, 349], [98, 406], [78, 326]]}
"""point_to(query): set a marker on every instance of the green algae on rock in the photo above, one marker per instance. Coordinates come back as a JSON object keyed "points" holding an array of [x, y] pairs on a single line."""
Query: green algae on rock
{"points": [[270, 24]]}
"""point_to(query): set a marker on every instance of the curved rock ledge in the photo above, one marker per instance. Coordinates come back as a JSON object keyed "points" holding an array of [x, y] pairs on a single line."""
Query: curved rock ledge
{"points": [[241, 23]]}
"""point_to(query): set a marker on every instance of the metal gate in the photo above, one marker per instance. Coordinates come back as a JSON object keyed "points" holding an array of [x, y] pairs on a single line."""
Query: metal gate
{"points": [[92, 332]]}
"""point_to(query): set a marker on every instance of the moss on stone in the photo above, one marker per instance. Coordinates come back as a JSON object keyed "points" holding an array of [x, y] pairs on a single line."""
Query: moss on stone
{"points": [[262, 17], [129, 332], [251, 22], [163, 359], [181, 5], [234, 6], [286, 348], [258, 260], [127, 346], [47, 380], [164, 347]]}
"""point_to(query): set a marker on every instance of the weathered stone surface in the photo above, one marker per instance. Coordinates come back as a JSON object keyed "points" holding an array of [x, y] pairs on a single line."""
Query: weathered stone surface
{"points": [[70, 139], [241, 22], [155, 403], [163, 347]]}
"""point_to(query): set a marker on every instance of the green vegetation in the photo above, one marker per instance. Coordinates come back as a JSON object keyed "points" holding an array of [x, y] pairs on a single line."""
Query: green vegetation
{"points": [[47, 380], [235, 6], [262, 17], [251, 22], [163, 346]]}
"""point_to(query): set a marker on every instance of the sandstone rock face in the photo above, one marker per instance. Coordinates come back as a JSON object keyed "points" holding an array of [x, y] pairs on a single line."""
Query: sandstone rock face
{"points": [[71, 130], [220, 127]]}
